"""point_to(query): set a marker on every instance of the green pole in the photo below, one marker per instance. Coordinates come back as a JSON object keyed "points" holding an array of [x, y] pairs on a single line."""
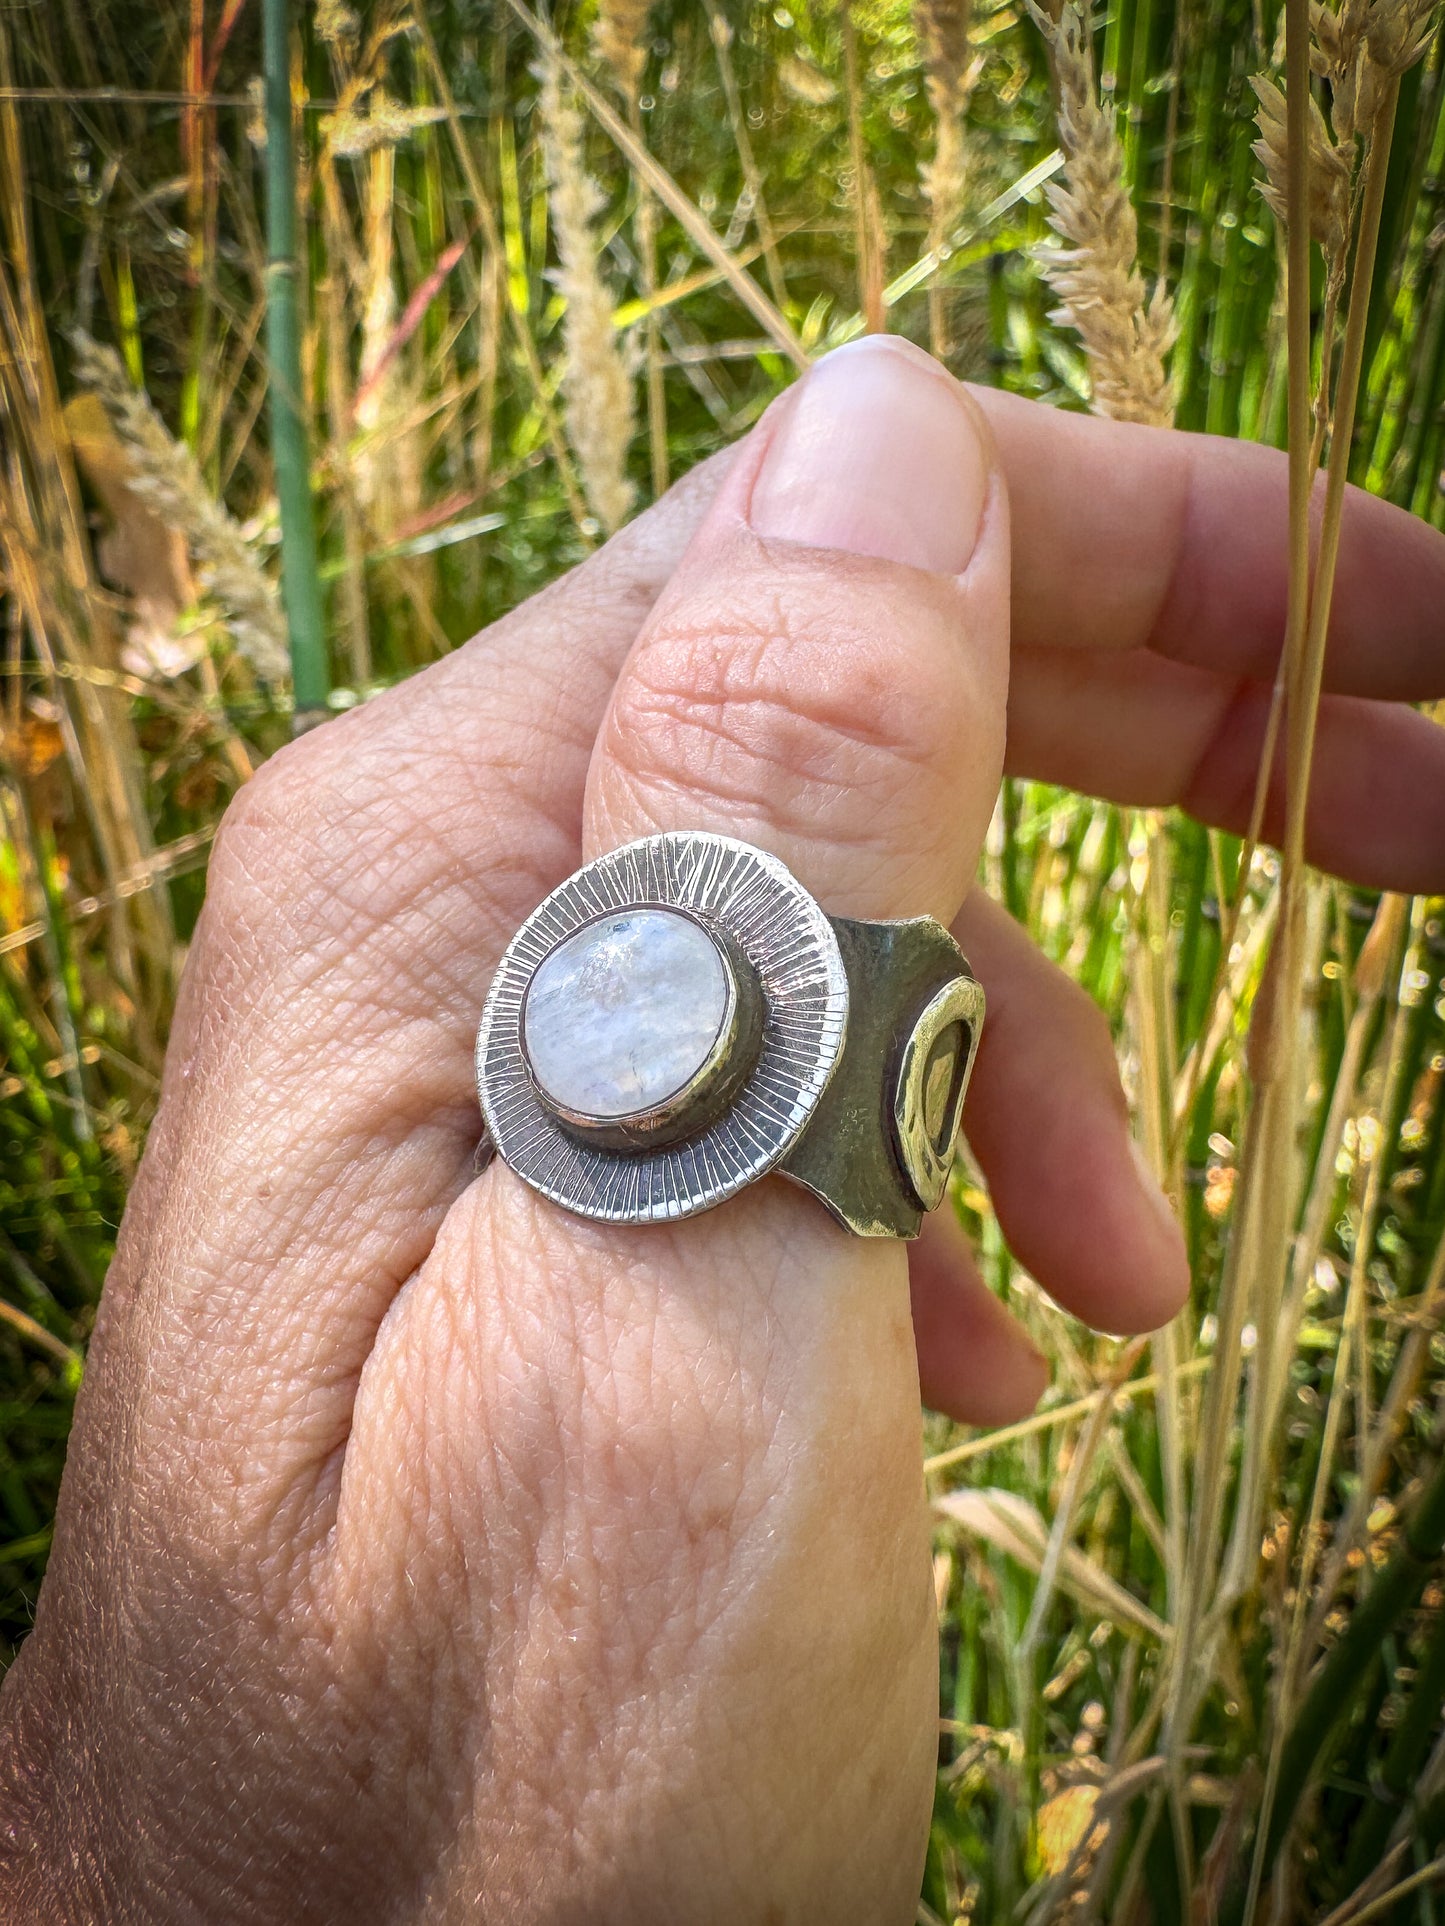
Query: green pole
{"points": [[300, 581]]}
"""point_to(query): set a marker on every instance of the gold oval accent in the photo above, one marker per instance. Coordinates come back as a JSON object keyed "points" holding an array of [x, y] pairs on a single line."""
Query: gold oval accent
{"points": [[932, 1080]]}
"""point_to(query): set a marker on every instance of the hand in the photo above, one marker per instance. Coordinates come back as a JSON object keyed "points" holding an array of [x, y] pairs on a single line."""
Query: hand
{"points": [[427, 1553]]}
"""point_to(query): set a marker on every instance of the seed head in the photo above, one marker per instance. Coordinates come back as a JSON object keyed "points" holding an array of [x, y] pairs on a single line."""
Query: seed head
{"points": [[597, 385]]}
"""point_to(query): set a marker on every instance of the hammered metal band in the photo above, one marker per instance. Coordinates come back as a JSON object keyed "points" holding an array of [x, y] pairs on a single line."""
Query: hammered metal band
{"points": [[681, 1017]]}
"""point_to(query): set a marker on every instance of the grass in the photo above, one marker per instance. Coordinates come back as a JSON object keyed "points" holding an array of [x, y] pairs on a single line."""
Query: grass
{"points": [[1194, 1651]]}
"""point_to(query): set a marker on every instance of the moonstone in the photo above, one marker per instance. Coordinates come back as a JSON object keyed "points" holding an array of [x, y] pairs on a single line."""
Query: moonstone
{"points": [[623, 1015]]}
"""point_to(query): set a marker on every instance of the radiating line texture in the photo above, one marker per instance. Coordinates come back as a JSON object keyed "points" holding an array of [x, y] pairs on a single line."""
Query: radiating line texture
{"points": [[789, 942]]}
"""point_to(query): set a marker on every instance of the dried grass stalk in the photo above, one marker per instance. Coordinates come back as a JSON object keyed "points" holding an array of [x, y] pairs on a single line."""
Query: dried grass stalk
{"points": [[597, 386], [869, 224], [1126, 335], [164, 474], [619, 40]]}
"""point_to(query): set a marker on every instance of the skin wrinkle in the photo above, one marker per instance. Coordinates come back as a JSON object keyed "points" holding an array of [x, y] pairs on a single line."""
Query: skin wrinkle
{"points": [[1245, 704], [528, 1467], [738, 736], [347, 1152], [720, 681], [438, 1506], [674, 729], [392, 1650], [584, 1350], [302, 1224], [633, 1462], [373, 879], [144, 1215], [153, 1825], [372, 1121]]}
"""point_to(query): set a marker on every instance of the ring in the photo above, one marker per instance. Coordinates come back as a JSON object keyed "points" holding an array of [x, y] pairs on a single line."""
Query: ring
{"points": [[681, 1017]]}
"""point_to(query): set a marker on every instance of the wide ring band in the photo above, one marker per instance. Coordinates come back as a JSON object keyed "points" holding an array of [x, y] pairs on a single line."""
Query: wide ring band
{"points": [[681, 1017]]}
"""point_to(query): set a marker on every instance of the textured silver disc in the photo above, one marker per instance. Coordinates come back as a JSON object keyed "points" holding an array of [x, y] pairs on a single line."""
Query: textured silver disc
{"points": [[791, 945]]}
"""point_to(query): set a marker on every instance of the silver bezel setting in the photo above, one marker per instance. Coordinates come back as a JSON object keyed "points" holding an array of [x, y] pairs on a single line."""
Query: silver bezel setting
{"points": [[751, 901]]}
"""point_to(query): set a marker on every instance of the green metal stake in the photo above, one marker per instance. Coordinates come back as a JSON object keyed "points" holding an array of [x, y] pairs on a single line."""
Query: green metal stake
{"points": [[300, 581]]}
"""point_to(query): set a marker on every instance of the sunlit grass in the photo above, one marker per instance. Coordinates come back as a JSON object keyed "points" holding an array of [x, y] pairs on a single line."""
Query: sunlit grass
{"points": [[1208, 1569]]}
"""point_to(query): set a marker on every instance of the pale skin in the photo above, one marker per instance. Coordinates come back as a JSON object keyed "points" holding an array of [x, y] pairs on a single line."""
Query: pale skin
{"points": [[427, 1553]]}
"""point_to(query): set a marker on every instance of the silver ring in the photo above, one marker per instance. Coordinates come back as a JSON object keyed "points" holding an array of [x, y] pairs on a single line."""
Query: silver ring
{"points": [[681, 1017]]}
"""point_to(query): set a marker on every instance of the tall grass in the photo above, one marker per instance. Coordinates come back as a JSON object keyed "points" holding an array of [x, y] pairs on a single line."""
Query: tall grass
{"points": [[1194, 1652]]}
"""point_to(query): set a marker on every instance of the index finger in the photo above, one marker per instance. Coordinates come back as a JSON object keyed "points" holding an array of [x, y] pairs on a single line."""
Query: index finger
{"points": [[1128, 537]]}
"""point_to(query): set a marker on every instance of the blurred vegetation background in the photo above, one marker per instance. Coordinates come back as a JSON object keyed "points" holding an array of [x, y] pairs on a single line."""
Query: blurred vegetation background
{"points": [[1193, 1646]]}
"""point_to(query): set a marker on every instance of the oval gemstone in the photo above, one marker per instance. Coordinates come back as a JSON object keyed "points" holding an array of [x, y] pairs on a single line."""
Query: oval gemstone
{"points": [[623, 1015]]}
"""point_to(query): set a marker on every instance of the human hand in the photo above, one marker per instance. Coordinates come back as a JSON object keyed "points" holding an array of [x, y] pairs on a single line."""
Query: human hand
{"points": [[425, 1552]]}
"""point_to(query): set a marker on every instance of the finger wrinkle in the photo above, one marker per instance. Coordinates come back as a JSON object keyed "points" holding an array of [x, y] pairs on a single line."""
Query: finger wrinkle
{"points": [[791, 722], [747, 690], [1225, 775], [1184, 563]]}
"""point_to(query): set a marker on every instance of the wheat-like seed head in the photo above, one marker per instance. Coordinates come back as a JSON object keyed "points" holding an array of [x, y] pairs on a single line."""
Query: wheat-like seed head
{"points": [[1126, 335], [351, 132], [1398, 33], [597, 385], [620, 43], [1354, 95], [336, 24], [943, 33], [1360, 46], [1331, 166], [165, 475], [952, 70]]}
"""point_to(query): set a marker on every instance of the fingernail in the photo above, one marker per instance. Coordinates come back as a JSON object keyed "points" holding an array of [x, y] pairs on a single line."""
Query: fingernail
{"points": [[880, 453]]}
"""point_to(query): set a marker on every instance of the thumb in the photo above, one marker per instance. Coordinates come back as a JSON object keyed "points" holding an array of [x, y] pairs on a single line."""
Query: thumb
{"points": [[826, 675], [673, 1492], [826, 678]]}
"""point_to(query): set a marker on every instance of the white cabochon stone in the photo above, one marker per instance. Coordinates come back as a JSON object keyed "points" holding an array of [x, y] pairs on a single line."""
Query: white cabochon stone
{"points": [[623, 1015]]}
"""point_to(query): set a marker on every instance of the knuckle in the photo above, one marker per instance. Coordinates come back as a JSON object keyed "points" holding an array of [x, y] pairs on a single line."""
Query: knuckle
{"points": [[782, 703], [271, 823], [278, 787]]}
